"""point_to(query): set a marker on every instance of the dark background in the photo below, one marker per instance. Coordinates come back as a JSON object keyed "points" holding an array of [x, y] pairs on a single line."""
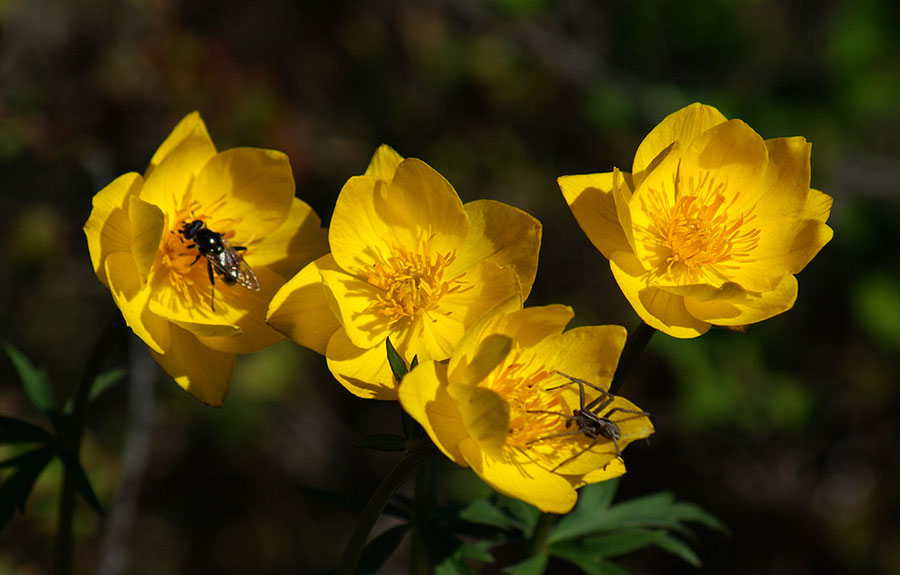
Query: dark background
{"points": [[789, 434]]}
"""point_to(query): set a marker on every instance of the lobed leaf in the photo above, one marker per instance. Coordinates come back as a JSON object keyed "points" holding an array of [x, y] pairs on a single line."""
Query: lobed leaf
{"points": [[15, 490], [34, 380], [532, 566], [398, 366], [17, 431]]}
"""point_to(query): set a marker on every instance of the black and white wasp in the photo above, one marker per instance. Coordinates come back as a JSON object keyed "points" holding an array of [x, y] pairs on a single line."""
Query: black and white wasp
{"points": [[221, 257], [588, 420]]}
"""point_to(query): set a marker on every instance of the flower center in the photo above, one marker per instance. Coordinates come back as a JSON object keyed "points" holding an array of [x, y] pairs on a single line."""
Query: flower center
{"points": [[523, 386], [412, 281], [700, 233], [186, 267]]}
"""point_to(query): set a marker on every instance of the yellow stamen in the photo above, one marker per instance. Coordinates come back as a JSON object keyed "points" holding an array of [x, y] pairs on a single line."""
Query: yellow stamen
{"points": [[697, 235], [412, 281]]}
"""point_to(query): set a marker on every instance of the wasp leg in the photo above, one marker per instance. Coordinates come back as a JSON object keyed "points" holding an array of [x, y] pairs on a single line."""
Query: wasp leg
{"points": [[212, 281]]}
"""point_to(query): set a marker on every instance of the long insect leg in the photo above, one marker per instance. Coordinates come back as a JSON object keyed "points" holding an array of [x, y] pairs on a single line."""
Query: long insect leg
{"points": [[212, 281]]}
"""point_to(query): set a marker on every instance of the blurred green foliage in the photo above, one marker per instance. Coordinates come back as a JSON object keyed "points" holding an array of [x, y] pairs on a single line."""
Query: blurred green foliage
{"points": [[787, 433]]}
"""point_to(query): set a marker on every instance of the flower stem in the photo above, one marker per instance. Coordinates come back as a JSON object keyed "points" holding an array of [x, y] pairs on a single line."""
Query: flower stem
{"points": [[372, 511], [539, 535], [634, 346], [422, 503], [70, 444]]}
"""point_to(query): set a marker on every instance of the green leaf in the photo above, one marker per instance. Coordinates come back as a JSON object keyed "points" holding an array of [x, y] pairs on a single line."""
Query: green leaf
{"points": [[484, 512], [532, 566], [621, 541], [593, 504], [380, 548], [477, 551], [15, 490], [17, 431], [381, 442], [678, 548], [81, 483], [587, 559], [683, 511], [598, 496], [104, 381], [527, 515], [453, 565], [34, 380], [398, 366]]}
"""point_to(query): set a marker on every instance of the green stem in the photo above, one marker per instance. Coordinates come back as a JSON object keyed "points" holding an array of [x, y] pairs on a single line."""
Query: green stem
{"points": [[634, 346], [542, 529], [422, 502], [70, 445], [372, 511]]}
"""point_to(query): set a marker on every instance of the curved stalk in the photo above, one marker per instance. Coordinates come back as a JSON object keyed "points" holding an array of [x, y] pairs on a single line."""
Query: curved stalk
{"points": [[376, 504]]}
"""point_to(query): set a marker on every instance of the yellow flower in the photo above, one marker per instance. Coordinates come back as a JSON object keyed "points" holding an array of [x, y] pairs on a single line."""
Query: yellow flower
{"points": [[711, 225], [502, 404], [138, 237], [408, 262]]}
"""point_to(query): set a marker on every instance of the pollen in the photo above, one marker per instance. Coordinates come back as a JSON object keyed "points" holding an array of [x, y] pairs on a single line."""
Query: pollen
{"points": [[412, 281], [523, 384], [700, 233], [187, 273]]}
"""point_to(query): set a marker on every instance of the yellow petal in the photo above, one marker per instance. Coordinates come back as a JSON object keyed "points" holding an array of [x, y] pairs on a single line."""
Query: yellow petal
{"points": [[683, 125], [245, 190], [147, 224], [191, 127], [622, 193], [590, 352], [301, 309], [787, 246], [504, 235], [513, 474], [491, 351], [527, 327], [734, 156], [423, 394], [786, 181], [754, 308], [364, 326], [469, 346], [591, 199], [364, 372], [578, 454], [201, 371], [298, 241], [485, 415], [167, 183], [384, 163], [611, 470], [658, 189], [659, 309], [170, 303], [253, 333], [108, 228], [132, 297], [418, 204], [818, 206], [357, 231], [487, 284]]}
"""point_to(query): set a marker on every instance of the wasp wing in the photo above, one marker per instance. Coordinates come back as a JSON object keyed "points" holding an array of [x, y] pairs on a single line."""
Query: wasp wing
{"points": [[231, 264]]}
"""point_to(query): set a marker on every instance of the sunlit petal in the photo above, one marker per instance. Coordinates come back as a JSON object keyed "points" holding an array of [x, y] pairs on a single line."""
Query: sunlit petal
{"points": [[301, 308], [108, 230]]}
